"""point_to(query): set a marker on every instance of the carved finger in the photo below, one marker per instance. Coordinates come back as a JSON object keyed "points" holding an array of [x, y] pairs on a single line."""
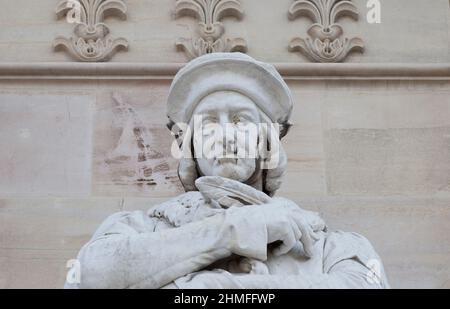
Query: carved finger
{"points": [[306, 235], [288, 242]]}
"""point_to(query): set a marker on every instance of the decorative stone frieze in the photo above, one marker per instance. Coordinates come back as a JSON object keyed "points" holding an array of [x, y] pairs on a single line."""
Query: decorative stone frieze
{"points": [[210, 30], [326, 41], [91, 40]]}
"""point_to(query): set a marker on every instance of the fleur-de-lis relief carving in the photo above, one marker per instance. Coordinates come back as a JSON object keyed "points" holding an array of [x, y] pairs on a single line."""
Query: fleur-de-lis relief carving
{"points": [[326, 41], [209, 13], [91, 41]]}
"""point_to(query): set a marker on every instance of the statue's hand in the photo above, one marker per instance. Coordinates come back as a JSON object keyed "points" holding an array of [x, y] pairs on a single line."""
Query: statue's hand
{"points": [[299, 226], [312, 218], [283, 224], [309, 223]]}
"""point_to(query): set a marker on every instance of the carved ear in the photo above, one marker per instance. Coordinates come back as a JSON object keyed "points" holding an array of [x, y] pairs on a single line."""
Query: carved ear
{"points": [[177, 132]]}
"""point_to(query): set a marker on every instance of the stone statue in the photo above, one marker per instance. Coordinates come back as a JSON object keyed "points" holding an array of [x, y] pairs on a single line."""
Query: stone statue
{"points": [[228, 230]]}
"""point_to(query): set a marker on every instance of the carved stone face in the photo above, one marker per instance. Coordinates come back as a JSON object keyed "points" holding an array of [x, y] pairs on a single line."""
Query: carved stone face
{"points": [[225, 135]]}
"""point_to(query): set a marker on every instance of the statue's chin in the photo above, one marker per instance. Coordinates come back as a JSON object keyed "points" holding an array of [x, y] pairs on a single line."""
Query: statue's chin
{"points": [[237, 171]]}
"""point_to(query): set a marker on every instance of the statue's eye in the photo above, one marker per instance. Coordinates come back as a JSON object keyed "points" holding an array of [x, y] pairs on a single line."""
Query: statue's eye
{"points": [[209, 120], [236, 119]]}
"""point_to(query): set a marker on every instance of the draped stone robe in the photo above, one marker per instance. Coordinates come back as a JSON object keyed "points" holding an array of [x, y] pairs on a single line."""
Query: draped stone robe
{"points": [[127, 243]]}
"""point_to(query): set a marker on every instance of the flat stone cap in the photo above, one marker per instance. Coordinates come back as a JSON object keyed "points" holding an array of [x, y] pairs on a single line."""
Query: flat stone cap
{"points": [[229, 72]]}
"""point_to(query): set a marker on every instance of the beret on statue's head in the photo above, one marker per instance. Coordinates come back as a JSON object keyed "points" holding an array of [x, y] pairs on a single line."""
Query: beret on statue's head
{"points": [[237, 72]]}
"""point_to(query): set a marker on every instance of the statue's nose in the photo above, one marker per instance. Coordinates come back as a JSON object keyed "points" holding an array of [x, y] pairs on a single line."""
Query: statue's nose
{"points": [[230, 142], [231, 147]]}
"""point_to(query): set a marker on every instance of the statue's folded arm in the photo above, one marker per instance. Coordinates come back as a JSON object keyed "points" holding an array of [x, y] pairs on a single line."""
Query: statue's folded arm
{"points": [[349, 262], [127, 252], [348, 274]]}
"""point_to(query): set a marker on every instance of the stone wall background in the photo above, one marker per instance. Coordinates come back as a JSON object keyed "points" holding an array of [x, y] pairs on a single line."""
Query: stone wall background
{"points": [[371, 155]]}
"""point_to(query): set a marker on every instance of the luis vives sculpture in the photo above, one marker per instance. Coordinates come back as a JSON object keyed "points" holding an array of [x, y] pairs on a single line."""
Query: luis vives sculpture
{"points": [[229, 113]]}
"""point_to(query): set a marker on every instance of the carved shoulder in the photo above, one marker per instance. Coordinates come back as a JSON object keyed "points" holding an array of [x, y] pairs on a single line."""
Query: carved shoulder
{"points": [[342, 247]]}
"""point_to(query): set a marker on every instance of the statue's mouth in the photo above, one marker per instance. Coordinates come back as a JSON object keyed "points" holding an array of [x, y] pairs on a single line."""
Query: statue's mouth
{"points": [[227, 161]]}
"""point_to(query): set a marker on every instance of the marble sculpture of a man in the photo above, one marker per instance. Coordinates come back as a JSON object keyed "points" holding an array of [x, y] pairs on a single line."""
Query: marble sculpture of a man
{"points": [[228, 230]]}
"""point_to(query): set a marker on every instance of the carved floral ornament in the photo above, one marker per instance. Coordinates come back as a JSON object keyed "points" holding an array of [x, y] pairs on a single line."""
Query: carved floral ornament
{"points": [[91, 41], [326, 41], [210, 39]]}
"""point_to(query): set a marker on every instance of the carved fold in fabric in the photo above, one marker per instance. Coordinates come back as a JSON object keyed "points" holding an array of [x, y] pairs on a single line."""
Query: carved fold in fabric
{"points": [[209, 13], [326, 41], [91, 41]]}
